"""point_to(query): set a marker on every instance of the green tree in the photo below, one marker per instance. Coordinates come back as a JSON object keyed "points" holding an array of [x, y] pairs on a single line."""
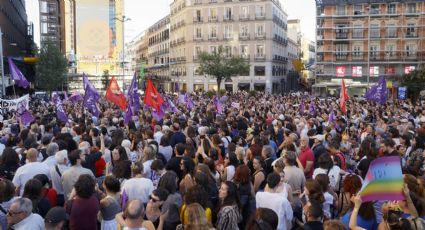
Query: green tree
{"points": [[222, 67], [415, 83], [52, 67], [105, 79]]}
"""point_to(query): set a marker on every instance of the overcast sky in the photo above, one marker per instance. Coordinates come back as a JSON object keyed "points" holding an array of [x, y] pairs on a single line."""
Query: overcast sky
{"points": [[144, 13]]}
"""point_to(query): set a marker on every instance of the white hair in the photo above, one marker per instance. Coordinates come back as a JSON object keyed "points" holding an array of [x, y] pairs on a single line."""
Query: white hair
{"points": [[61, 156], [84, 147], [25, 205], [52, 148]]}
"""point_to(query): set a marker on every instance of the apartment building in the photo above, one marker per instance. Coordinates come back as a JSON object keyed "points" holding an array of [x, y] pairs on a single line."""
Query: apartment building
{"points": [[362, 40], [158, 58], [52, 28], [255, 30]]}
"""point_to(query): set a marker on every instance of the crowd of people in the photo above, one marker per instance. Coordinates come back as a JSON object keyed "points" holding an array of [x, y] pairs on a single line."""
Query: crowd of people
{"points": [[264, 162]]}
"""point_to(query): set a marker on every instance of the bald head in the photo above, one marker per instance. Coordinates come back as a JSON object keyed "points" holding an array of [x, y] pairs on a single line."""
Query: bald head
{"points": [[134, 210], [32, 155]]}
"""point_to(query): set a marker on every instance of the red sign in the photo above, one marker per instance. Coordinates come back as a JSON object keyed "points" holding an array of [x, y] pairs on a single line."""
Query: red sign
{"points": [[357, 71], [340, 71]]}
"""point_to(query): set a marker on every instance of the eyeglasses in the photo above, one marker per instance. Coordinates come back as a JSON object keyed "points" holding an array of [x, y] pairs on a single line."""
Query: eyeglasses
{"points": [[153, 199], [11, 213]]}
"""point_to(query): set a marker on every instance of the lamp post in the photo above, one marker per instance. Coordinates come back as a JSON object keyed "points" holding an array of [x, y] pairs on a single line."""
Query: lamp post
{"points": [[123, 19], [2, 64]]}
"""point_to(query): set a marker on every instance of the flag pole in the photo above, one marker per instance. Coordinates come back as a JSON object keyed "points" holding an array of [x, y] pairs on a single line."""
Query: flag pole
{"points": [[14, 92]]}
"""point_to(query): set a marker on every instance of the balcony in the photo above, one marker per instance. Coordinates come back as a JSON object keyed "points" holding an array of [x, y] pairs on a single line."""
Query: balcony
{"points": [[212, 19], [260, 57], [260, 35], [227, 18], [198, 38], [261, 16], [245, 56], [341, 35], [410, 34], [213, 1], [243, 17], [228, 37], [197, 19], [212, 38], [243, 37], [196, 58], [279, 58]]}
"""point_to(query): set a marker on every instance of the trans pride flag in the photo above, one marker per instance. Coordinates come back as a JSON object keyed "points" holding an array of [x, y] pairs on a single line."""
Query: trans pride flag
{"points": [[384, 180]]}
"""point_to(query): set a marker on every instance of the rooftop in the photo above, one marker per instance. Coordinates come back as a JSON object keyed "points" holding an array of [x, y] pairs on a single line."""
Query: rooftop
{"points": [[348, 2]]}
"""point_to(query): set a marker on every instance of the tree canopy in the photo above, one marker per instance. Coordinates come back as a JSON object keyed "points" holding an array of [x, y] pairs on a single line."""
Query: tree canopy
{"points": [[52, 67], [222, 66], [415, 82]]}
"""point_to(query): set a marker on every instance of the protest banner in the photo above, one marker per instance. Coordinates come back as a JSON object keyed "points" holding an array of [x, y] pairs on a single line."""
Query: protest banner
{"points": [[18, 105]]}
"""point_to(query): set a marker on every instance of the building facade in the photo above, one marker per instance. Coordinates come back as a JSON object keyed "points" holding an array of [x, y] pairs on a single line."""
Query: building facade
{"points": [[52, 28], [17, 37], [255, 30], [362, 40], [158, 55], [94, 41]]}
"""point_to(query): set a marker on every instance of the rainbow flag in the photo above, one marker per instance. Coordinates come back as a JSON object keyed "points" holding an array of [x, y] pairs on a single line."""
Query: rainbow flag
{"points": [[384, 180]]}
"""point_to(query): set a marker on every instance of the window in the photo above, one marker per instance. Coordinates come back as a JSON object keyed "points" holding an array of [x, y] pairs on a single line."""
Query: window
{"points": [[411, 8], [259, 29], [391, 8], [391, 30], [244, 31], [341, 50], [198, 17], [341, 32], [198, 51], [374, 71], [358, 10], [198, 32], [374, 31], [244, 51], [390, 50], [340, 10], [259, 52], [358, 31], [373, 51], [259, 11], [244, 12], [213, 14], [410, 50], [227, 31], [411, 30], [228, 51], [213, 32], [43, 7], [374, 9], [357, 52], [228, 13], [259, 70], [213, 49]]}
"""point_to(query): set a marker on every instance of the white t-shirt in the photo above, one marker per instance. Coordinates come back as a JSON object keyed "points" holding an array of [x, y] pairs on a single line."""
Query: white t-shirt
{"points": [[230, 172], [138, 188], [333, 174], [157, 136], [27, 172], [147, 171], [33, 221], [329, 200], [279, 204], [167, 151]]}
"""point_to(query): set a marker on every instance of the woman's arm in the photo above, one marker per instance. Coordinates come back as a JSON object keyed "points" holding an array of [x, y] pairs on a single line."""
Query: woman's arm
{"points": [[357, 200], [258, 179], [410, 205]]}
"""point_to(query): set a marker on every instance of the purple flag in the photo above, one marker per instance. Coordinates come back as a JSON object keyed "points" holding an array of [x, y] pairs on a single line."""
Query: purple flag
{"points": [[188, 101], [332, 117], [378, 92], [218, 105], [124, 200], [26, 117], [60, 112], [173, 107], [91, 97], [302, 106], [133, 95], [158, 115], [177, 87], [17, 75], [75, 97], [181, 99], [311, 108], [128, 115]]}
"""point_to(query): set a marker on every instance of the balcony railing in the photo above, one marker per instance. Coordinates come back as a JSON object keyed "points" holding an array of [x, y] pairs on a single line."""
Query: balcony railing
{"points": [[260, 57], [260, 16], [228, 18], [243, 17], [212, 19], [197, 19], [260, 35], [243, 36], [197, 38]]}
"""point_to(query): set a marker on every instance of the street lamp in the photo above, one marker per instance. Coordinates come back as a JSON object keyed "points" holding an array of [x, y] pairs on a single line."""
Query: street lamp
{"points": [[122, 20], [2, 64]]}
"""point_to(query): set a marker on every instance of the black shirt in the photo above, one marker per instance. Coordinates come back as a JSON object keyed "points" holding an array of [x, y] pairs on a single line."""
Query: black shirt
{"points": [[312, 225], [90, 162], [174, 165]]}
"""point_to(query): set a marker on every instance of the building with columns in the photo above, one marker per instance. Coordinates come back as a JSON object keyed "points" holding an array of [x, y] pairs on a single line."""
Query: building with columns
{"points": [[255, 30]]}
